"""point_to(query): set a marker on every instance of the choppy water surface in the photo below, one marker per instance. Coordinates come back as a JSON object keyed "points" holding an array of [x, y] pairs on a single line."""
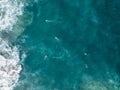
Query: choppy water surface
{"points": [[11, 26], [59, 45]]}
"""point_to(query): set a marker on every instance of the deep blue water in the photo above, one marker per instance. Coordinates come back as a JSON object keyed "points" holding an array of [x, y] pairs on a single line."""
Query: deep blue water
{"points": [[72, 45]]}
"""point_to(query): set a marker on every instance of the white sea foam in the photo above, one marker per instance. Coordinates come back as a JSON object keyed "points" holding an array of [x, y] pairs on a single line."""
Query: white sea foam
{"points": [[9, 10], [9, 55], [9, 66]]}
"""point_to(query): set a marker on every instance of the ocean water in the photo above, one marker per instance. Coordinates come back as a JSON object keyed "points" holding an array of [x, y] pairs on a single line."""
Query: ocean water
{"points": [[59, 45], [12, 23]]}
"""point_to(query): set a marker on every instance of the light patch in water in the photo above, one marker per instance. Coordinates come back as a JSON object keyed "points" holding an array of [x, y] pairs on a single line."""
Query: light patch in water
{"points": [[90, 83]]}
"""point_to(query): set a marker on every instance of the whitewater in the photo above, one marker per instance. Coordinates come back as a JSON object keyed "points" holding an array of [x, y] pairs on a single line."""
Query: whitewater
{"points": [[11, 12]]}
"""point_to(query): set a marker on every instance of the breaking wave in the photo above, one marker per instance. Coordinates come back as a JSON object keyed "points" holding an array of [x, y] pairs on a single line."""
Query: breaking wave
{"points": [[9, 10], [9, 66], [11, 26]]}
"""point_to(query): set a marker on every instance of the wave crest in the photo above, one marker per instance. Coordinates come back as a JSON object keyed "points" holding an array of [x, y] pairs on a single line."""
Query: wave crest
{"points": [[9, 66], [9, 10], [12, 24]]}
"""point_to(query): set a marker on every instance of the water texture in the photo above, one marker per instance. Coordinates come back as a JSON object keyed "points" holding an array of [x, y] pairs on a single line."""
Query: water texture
{"points": [[11, 26], [72, 45], [60, 44]]}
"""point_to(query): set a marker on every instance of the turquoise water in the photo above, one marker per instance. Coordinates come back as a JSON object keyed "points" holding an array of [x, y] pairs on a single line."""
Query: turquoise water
{"points": [[71, 45]]}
